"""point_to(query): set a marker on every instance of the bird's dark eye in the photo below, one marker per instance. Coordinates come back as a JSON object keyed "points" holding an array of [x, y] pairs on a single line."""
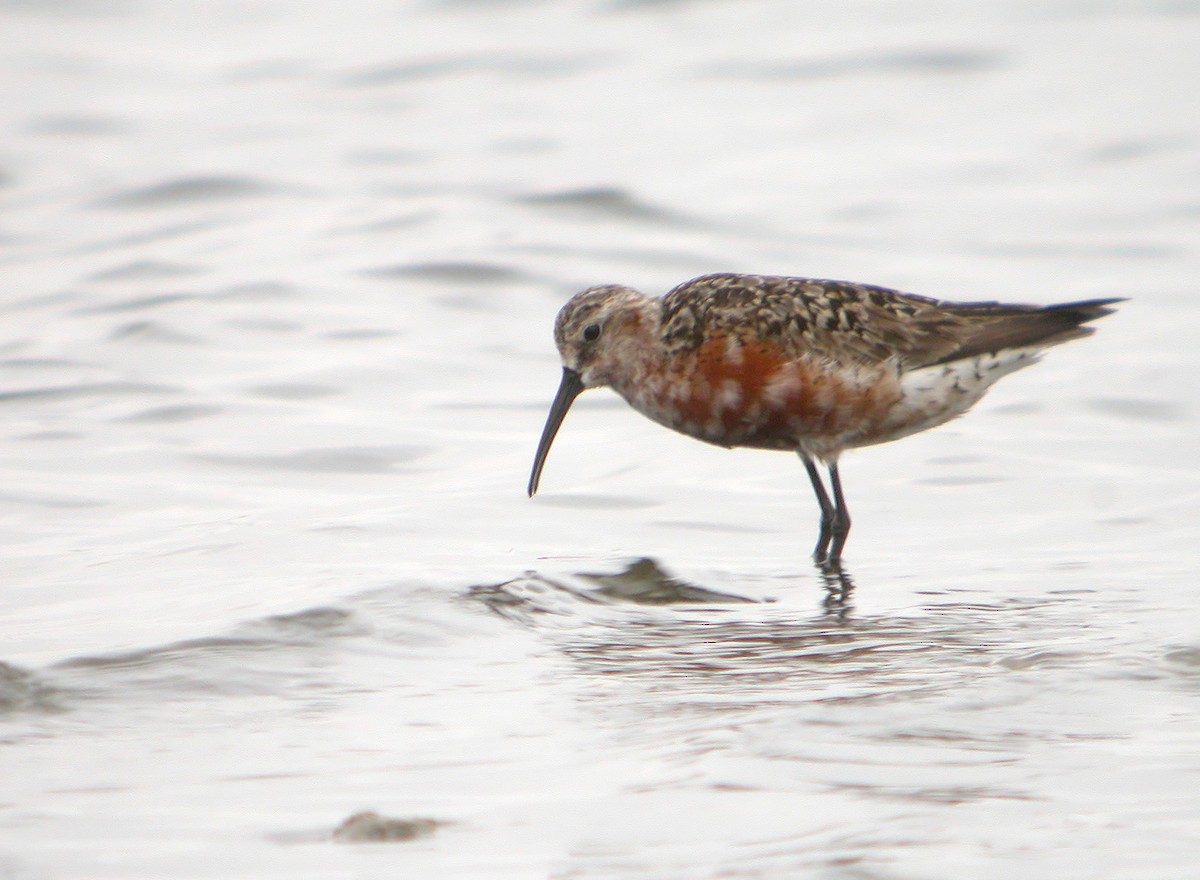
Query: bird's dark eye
{"points": [[591, 332]]}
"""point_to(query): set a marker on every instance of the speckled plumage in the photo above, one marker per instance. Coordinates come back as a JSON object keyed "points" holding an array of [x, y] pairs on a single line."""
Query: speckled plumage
{"points": [[800, 364], [852, 323]]}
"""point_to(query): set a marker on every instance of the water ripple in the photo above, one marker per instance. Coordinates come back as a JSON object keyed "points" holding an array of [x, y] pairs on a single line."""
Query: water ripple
{"points": [[144, 270], [932, 61], [345, 459], [451, 272], [186, 192], [611, 202], [96, 389], [21, 690]]}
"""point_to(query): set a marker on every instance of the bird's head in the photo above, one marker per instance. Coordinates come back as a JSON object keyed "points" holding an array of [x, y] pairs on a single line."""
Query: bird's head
{"points": [[596, 339]]}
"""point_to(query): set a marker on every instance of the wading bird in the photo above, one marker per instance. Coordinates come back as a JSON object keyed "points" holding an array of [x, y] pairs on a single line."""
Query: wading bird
{"points": [[806, 365]]}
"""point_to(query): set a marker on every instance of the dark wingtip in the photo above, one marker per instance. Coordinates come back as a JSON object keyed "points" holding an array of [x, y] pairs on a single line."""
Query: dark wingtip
{"points": [[1088, 309], [999, 326]]}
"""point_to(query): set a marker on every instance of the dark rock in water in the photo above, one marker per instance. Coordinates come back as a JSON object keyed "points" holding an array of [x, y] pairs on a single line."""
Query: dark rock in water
{"points": [[370, 827]]}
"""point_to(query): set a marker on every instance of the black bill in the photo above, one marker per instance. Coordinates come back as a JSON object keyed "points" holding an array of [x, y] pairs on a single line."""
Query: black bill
{"points": [[568, 390]]}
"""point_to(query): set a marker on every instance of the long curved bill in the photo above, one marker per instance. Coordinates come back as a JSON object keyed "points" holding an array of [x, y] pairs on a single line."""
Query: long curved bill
{"points": [[568, 389]]}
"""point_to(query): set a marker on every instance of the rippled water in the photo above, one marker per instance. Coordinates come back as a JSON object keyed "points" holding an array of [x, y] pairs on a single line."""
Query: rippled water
{"points": [[278, 288]]}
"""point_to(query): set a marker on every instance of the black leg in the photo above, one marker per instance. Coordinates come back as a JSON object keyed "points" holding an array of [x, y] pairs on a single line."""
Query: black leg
{"points": [[828, 512], [840, 526]]}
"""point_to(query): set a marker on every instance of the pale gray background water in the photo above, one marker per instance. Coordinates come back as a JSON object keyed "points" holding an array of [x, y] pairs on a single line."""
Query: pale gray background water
{"points": [[278, 281]]}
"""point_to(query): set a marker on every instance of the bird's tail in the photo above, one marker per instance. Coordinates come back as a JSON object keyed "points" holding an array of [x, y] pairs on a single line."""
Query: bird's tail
{"points": [[995, 327]]}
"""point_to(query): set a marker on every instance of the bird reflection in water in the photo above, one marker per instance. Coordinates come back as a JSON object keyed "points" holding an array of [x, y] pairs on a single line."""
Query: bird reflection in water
{"points": [[613, 623], [839, 587], [645, 582]]}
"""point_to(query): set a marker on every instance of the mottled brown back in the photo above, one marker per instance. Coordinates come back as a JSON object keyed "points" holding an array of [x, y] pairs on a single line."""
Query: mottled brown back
{"points": [[860, 323]]}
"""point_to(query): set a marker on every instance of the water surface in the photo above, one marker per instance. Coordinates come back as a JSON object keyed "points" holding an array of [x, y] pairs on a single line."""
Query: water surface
{"points": [[276, 350]]}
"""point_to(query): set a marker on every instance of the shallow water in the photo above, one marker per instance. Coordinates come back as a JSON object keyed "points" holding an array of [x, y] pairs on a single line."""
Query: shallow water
{"points": [[279, 284]]}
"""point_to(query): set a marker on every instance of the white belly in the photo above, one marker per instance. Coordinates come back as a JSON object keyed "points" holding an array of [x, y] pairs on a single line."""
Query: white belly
{"points": [[931, 396]]}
